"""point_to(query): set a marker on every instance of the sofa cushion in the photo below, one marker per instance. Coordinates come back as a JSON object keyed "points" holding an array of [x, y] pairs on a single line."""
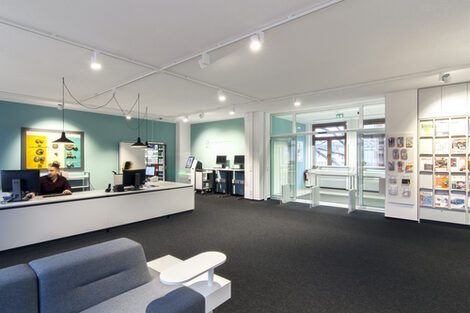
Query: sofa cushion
{"points": [[79, 279], [18, 290], [181, 300], [135, 300]]}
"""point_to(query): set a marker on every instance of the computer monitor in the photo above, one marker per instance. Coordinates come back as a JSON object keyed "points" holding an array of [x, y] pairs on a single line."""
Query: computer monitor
{"points": [[221, 159], [190, 161], [239, 159], [150, 171], [20, 182], [134, 178]]}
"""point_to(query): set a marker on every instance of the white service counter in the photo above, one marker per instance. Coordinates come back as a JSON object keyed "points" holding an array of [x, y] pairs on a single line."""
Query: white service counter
{"points": [[43, 219]]}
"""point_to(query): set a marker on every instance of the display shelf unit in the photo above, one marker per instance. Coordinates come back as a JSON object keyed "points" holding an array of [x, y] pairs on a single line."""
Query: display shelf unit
{"points": [[450, 169], [156, 156], [80, 182]]}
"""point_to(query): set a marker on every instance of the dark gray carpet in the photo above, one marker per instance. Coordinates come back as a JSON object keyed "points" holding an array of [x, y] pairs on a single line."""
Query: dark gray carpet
{"points": [[293, 259]]}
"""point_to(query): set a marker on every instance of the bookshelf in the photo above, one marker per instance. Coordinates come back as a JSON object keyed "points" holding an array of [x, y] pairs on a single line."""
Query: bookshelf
{"points": [[443, 158]]}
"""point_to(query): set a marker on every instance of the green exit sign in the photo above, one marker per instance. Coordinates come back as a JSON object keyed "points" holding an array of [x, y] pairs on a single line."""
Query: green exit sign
{"points": [[339, 115]]}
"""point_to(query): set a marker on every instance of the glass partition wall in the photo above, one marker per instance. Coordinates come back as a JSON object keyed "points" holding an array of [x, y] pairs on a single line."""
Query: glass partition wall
{"points": [[336, 146]]}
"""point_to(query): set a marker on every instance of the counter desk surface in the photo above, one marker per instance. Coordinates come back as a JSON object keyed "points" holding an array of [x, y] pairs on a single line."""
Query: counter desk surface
{"points": [[43, 219]]}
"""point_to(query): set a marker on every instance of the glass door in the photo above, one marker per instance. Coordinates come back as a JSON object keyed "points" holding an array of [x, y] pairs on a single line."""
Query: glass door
{"points": [[283, 168], [371, 168]]}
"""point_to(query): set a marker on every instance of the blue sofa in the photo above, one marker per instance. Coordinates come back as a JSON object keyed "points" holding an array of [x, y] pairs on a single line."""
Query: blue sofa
{"points": [[110, 277]]}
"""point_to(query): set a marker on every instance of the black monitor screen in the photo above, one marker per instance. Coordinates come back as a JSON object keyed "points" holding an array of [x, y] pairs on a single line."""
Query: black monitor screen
{"points": [[221, 159], [190, 161], [239, 159], [29, 180], [128, 177]]}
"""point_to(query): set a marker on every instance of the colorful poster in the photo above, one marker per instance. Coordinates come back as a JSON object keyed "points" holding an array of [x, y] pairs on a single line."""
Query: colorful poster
{"points": [[39, 150]]}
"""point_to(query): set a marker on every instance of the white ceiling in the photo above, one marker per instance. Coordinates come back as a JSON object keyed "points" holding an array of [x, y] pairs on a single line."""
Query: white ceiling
{"points": [[353, 51]]}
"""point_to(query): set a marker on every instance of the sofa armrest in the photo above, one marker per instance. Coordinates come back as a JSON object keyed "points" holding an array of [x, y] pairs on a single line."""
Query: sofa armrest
{"points": [[181, 300]]}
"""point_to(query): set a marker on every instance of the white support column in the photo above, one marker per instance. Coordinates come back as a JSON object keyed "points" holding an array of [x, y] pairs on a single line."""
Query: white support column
{"points": [[183, 150], [255, 155]]}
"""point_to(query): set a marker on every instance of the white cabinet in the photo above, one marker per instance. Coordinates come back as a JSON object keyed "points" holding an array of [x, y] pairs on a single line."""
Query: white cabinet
{"points": [[454, 100], [429, 102]]}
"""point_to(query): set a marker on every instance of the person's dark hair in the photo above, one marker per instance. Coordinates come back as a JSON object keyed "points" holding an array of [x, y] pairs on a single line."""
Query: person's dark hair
{"points": [[55, 164], [127, 165]]}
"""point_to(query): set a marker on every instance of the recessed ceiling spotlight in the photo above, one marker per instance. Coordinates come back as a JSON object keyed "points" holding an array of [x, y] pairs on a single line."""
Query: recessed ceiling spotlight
{"points": [[256, 41], [222, 97], [128, 117], [185, 118], [95, 65], [204, 61], [297, 103], [445, 78], [232, 111]]}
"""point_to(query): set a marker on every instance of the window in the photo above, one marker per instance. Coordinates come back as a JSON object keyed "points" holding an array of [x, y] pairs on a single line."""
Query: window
{"points": [[330, 146], [374, 144]]}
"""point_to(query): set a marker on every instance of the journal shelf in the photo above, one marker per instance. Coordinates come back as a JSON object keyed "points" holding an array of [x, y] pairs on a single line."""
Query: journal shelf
{"points": [[444, 167]]}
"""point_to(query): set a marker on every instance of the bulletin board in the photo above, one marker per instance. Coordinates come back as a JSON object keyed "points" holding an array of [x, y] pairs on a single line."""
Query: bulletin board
{"points": [[38, 149]]}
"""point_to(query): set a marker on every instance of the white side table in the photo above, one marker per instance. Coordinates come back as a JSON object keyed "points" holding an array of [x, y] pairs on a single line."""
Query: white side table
{"points": [[192, 273]]}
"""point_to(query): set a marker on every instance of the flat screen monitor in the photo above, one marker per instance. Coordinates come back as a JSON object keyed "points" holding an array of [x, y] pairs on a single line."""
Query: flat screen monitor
{"points": [[150, 171], [190, 161], [29, 180], [129, 177], [221, 159], [239, 159]]}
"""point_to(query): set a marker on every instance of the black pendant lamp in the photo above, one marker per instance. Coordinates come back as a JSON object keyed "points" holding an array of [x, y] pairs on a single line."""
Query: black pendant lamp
{"points": [[63, 138], [138, 144]]}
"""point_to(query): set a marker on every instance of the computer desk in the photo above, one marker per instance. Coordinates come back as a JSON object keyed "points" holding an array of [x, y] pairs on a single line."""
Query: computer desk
{"points": [[229, 177], [43, 219]]}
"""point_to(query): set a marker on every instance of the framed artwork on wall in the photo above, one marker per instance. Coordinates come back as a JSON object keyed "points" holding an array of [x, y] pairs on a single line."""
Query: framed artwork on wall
{"points": [[38, 149]]}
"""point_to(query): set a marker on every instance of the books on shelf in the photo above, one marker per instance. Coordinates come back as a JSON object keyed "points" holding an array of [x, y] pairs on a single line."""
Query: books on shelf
{"points": [[457, 201], [441, 146], [458, 127], [426, 128], [441, 181], [425, 146], [441, 163], [425, 198], [458, 145], [458, 182], [442, 128], [441, 200], [458, 164], [425, 164]]}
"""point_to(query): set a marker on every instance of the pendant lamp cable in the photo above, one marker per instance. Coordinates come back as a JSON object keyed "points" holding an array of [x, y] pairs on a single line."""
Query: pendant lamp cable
{"points": [[63, 104]]}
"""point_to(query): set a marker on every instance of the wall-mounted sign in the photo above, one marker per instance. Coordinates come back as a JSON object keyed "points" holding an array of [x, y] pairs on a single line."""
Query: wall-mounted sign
{"points": [[38, 149], [339, 115]]}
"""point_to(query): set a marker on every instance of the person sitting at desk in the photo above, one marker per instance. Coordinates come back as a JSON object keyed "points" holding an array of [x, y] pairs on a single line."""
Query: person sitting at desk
{"points": [[53, 182]]}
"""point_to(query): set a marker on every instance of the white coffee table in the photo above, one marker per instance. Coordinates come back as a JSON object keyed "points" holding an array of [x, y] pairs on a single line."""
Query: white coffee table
{"points": [[192, 273]]}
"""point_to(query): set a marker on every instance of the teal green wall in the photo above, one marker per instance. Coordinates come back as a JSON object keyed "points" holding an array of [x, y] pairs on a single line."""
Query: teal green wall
{"points": [[283, 126], [102, 136], [206, 137]]}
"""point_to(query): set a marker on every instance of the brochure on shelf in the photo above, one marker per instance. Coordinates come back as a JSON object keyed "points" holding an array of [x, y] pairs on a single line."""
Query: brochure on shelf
{"points": [[426, 180], [401, 187], [400, 166], [442, 128], [441, 163], [391, 142], [409, 142], [425, 146], [426, 128], [441, 181], [458, 164], [425, 198], [409, 168], [457, 201], [458, 182], [441, 199], [458, 127], [403, 154], [441, 146], [458, 145], [396, 154], [425, 164]]}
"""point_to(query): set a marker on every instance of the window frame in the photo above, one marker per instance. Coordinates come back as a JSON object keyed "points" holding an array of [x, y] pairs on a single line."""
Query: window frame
{"points": [[329, 140], [376, 136]]}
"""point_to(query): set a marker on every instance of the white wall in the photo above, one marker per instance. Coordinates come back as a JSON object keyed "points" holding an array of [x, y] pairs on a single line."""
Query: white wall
{"points": [[401, 109]]}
